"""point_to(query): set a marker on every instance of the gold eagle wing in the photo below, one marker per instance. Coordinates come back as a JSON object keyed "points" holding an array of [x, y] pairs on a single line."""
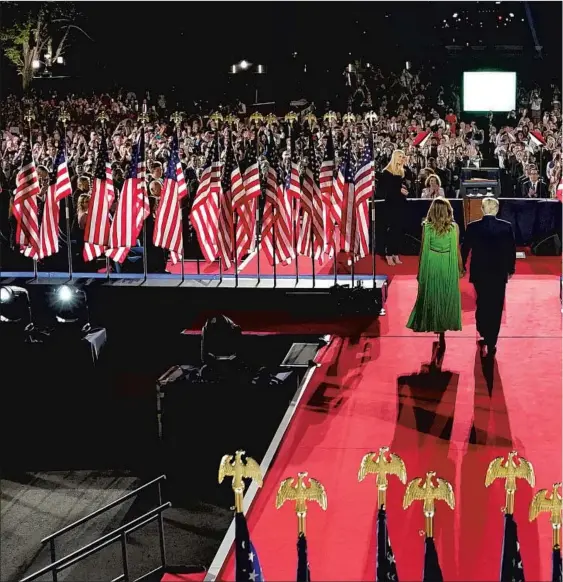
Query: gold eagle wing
{"points": [[395, 466], [317, 492], [286, 492], [252, 471], [413, 492], [445, 492], [496, 470], [525, 470], [540, 504], [225, 468]]}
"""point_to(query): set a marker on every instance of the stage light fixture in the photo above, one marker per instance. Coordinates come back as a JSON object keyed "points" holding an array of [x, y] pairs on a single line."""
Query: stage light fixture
{"points": [[511, 15], [60, 61], [244, 65], [454, 15], [15, 306], [70, 305], [36, 64]]}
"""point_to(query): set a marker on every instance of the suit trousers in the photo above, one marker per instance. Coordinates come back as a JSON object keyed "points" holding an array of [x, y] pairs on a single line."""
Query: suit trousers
{"points": [[490, 302]]}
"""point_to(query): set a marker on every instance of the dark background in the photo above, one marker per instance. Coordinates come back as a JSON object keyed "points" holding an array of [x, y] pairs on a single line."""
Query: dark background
{"points": [[184, 50]]}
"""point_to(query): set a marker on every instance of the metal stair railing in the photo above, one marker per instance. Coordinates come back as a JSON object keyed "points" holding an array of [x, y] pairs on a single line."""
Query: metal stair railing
{"points": [[52, 538], [120, 534]]}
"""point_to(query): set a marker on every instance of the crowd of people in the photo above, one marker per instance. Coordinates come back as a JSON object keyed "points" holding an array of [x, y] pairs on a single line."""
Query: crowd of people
{"points": [[405, 106]]}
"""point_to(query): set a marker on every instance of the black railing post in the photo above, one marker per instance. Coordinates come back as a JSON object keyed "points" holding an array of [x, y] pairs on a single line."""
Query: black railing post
{"points": [[124, 556], [161, 540], [53, 552]]}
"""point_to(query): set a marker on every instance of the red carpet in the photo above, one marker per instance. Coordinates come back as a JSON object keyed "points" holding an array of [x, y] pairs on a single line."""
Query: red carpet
{"points": [[374, 390]]}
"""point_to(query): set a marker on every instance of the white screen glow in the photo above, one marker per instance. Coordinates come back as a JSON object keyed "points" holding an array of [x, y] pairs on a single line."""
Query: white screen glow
{"points": [[489, 91]]}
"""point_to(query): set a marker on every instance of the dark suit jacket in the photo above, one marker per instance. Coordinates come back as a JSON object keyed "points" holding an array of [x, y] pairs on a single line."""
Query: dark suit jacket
{"points": [[493, 250], [541, 189]]}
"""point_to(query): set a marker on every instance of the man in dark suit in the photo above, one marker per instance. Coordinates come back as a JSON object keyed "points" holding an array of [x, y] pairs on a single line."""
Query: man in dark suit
{"points": [[493, 260], [534, 187]]}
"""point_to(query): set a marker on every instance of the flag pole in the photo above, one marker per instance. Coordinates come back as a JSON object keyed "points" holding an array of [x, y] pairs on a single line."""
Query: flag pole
{"points": [[235, 220], [143, 118], [219, 159], [353, 221], [29, 117], [64, 118], [177, 119], [102, 118], [258, 200], [290, 118], [371, 117], [312, 153]]}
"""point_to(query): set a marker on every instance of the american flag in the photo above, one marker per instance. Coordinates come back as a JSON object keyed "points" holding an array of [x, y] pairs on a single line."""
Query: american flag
{"points": [[25, 207], [98, 225], [204, 215], [231, 188], [59, 188], [168, 218], [312, 229], [511, 567], [432, 571], [330, 208], [247, 564], [246, 202], [303, 570], [131, 207], [559, 191], [277, 224], [363, 193], [344, 198], [386, 567]]}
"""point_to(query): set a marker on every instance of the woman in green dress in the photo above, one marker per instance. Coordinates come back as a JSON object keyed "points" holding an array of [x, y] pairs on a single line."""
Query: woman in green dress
{"points": [[438, 303]]}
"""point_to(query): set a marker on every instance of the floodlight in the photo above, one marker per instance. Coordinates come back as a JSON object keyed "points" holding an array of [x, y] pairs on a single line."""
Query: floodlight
{"points": [[60, 61], [15, 305], [36, 64], [70, 305], [244, 65]]}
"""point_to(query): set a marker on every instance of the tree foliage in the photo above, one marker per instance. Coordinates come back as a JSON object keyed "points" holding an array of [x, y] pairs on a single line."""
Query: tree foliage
{"points": [[33, 29]]}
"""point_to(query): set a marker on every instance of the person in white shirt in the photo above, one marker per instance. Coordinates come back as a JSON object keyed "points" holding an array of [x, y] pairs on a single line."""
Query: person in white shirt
{"points": [[433, 187]]}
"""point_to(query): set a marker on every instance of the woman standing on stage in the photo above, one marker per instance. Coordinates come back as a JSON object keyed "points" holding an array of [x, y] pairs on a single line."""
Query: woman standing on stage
{"points": [[391, 187], [438, 303]]}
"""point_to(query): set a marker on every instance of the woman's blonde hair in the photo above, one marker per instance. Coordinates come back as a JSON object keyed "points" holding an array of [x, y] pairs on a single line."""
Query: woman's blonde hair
{"points": [[395, 166], [427, 182], [83, 203], [440, 215]]}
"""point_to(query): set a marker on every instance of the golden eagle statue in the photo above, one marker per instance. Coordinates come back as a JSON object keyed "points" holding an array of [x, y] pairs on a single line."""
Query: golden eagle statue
{"points": [[301, 494], [382, 464], [236, 468], [423, 489], [509, 470], [542, 503]]}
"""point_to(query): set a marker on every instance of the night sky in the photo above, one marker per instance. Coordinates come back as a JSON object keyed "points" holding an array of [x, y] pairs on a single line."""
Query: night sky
{"points": [[189, 46]]}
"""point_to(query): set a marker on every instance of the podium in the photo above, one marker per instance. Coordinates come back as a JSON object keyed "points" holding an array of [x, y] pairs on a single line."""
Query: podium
{"points": [[472, 209], [476, 185]]}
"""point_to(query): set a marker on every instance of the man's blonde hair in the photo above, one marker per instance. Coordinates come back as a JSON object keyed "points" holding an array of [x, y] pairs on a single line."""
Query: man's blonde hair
{"points": [[490, 206]]}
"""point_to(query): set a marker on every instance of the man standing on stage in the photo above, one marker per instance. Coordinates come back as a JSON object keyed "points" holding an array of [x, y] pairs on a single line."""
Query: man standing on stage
{"points": [[493, 260]]}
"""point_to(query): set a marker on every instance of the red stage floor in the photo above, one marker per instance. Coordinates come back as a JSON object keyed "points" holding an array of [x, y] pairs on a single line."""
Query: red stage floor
{"points": [[373, 390]]}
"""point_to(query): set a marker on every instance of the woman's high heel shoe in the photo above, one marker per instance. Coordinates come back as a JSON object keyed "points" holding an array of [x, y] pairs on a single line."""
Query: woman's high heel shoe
{"points": [[390, 261]]}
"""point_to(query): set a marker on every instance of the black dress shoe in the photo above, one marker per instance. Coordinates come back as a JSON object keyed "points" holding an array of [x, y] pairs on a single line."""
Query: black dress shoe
{"points": [[491, 351]]}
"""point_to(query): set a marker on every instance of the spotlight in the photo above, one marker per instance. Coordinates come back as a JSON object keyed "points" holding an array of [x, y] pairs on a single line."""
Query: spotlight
{"points": [[70, 305], [60, 61], [244, 65], [36, 64], [454, 15], [511, 15], [15, 305]]}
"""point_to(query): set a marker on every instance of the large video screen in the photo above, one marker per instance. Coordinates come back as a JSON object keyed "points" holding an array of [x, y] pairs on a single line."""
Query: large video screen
{"points": [[489, 91]]}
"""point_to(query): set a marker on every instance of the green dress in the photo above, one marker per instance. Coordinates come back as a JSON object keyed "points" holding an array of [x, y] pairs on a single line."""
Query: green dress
{"points": [[438, 303]]}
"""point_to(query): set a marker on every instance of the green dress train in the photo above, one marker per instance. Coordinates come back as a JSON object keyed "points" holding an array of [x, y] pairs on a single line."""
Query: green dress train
{"points": [[438, 303]]}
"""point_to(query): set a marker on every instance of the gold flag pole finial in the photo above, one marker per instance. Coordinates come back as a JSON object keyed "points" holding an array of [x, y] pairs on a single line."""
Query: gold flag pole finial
{"points": [[349, 118], [271, 118], [216, 117], [542, 503], [330, 116], [510, 470], [291, 117], [257, 117], [144, 116], [382, 464], [310, 118], [176, 118], [371, 117], [29, 117], [301, 494], [103, 117], [64, 116], [232, 119], [235, 467], [423, 489]]}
